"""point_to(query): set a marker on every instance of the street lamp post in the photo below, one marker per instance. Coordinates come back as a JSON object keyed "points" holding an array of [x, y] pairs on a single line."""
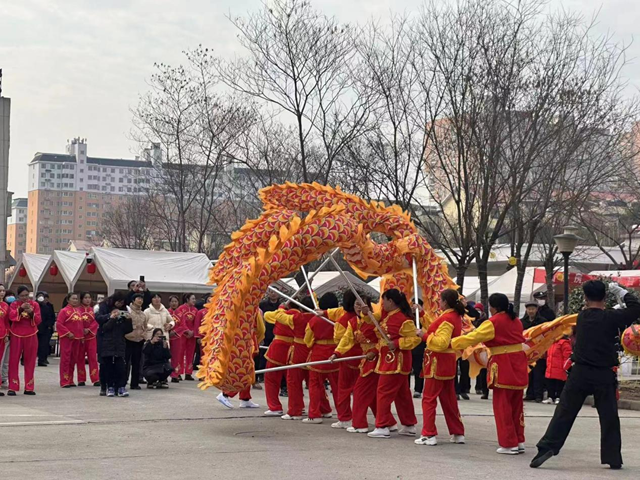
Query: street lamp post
{"points": [[567, 243]]}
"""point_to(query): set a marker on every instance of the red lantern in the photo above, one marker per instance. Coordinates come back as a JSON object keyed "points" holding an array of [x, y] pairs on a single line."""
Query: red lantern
{"points": [[91, 268], [22, 272], [53, 270]]}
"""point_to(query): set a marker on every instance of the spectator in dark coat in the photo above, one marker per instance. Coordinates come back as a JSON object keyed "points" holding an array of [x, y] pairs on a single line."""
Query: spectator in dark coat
{"points": [[157, 366], [45, 329], [543, 309], [114, 323], [537, 382], [481, 379]]}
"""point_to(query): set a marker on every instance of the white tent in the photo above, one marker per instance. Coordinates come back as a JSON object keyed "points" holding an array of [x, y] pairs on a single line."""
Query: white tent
{"points": [[35, 265], [506, 284], [339, 283], [175, 272]]}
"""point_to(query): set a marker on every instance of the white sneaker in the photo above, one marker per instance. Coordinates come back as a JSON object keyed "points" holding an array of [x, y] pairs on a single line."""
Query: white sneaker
{"points": [[548, 401], [248, 404], [346, 424], [431, 441], [507, 451], [312, 420], [379, 433], [521, 448], [459, 439], [357, 430], [393, 428], [408, 431], [224, 400], [557, 401], [327, 415], [273, 413], [286, 416]]}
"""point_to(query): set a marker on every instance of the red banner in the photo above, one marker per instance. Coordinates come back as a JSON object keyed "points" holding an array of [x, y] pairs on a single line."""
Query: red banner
{"points": [[577, 279]]}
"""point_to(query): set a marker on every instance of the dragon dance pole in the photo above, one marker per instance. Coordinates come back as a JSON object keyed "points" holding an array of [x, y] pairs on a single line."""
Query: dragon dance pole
{"points": [[306, 279], [415, 291], [300, 305], [322, 265], [309, 364], [355, 292]]}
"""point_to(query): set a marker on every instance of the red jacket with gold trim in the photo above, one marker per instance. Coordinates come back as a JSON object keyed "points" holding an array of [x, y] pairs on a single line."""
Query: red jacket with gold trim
{"points": [[439, 357], [401, 330], [21, 323], [69, 321]]}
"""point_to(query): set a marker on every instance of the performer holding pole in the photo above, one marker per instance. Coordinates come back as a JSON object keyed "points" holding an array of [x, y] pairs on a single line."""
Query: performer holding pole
{"points": [[507, 370], [319, 338], [439, 370], [297, 321], [394, 364], [594, 355]]}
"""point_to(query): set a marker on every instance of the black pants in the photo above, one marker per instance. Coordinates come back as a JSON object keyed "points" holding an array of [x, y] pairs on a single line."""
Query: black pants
{"points": [[463, 384], [537, 380], [555, 387], [115, 374], [416, 370], [481, 382], [133, 357], [584, 381], [157, 373], [44, 345]]}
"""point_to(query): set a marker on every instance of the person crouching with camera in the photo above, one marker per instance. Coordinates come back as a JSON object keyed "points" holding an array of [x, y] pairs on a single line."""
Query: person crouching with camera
{"points": [[113, 344], [157, 356]]}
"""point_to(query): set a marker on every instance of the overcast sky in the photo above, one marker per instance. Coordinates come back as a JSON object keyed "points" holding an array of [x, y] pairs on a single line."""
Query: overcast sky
{"points": [[74, 67]]}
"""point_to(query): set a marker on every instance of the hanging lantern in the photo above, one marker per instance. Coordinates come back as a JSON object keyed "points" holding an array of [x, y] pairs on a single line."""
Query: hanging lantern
{"points": [[91, 268], [631, 340], [22, 272], [53, 270]]}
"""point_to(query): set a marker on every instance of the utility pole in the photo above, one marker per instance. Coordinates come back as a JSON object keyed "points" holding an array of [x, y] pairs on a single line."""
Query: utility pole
{"points": [[5, 200]]}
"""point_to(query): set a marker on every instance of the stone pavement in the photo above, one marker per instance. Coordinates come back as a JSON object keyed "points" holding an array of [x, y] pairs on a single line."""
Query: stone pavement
{"points": [[185, 433]]}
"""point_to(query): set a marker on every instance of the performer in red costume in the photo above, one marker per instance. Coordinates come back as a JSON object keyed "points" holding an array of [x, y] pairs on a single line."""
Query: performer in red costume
{"points": [[279, 353], [187, 314], [507, 372], [4, 324], [363, 336], [245, 395], [349, 370], [394, 364], [176, 340], [297, 321], [90, 349], [319, 337], [439, 371], [70, 328], [24, 318]]}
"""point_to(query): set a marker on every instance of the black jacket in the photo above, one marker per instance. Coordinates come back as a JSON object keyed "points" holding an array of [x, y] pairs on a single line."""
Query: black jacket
{"points": [[528, 323], [48, 318], [155, 354], [111, 332], [546, 312], [597, 331]]}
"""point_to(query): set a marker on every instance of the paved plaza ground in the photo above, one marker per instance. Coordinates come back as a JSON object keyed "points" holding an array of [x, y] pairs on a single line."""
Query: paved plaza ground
{"points": [[185, 433]]}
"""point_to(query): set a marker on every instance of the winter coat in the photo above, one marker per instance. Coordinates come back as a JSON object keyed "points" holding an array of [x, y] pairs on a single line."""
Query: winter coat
{"points": [[155, 354], [48, 318], [113, 336], [141, 330], [159, 319], [557, 357]]}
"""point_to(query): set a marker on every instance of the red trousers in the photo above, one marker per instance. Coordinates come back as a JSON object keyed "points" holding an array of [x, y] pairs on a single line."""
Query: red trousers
{"points": [[70, 355], [176, 345], [244, 394], [2, 340], [318, 400], [394, 388], [27, 347], [347, 378], [272, 382], [445, 390], [509, 414], [364, 397], [295, 379], [189, 354], [90, 351]]}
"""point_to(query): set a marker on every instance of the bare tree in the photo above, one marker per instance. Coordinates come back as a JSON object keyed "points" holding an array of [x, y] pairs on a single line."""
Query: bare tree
{"points": [[300, 62], [126, 225]]}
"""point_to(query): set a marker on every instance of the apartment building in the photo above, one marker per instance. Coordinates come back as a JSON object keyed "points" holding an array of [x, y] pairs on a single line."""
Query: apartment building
{"points": [[17, 228], [70, 193]]}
